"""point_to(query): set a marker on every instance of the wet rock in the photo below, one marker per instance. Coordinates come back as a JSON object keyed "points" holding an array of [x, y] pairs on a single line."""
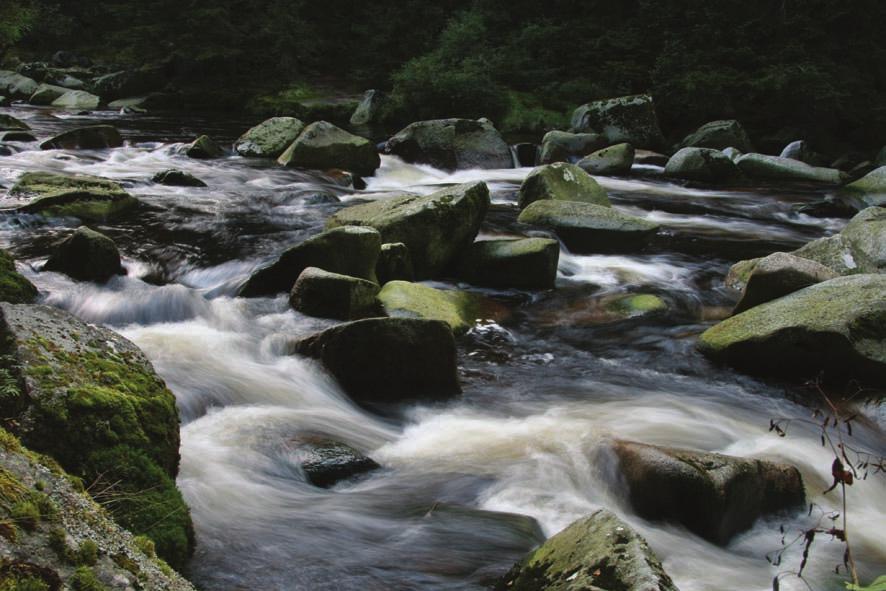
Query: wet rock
{"points": [[564, 146], [177, 178], [203, 148], [368, 109], [435, 228], [348, 250], [719, 135], [801, 150], [778, 275], [562, 182], [384, 360], [630, 119], [827, 207], [773, 168], [702, 164], [526, 263], [75, 100], [712, 495], [733, 153], [16, 136], [585, 227], [327, 462], [14, 288], [94, 137], [322, 145], [59, 195], [838, 326], [459, 309], [597, 552], [16, 86], [394, 262], [10, 123], [331, 295], [270, 138], [46, 94], [452, 144], [86, 255], [614, 160], [526, 153], [633, 305], [870, 190]]}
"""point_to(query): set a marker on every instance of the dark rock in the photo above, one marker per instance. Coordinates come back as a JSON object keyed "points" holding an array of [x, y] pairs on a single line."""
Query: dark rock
{"points": [[650, 158], [14, 288], [10, 123], [203, 148], [177, 178], [331, 295], [16, 136], [95, 137], [68, 59], [86, 255], [526, 153], [630, 119], [563, 146], [719, 135], [527, 263], [394, 263], [326, 462], [117, 85], [802, 151], [452, 144]]}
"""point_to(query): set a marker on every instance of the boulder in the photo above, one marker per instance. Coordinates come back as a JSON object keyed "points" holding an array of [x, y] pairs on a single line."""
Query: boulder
{"points": [[322, 146], [650, 158], [46, 94], [76, 100], [326, 462], [733, 153], [614, 160], [270, 138], [630, 119], [385, 360], [16, 136], [599, 552], [702, 164], [177, 178], [774, 168], [16, 86], [331, 295], [564, 146], [394, 262], [10, 123], [525, 263], [526, 153], [838, 326], [452, 144], [712, 495], [459, 309], [90, 399], [203, 148], [14, 288], [561, 182], [347, 250], [585, 227], [870, 190], [65, 80], [94, 137], [778, 275], [36, 71], [86, 255], [719, 135], [59, 195], [367, 111], [125, 83], [435, 228], [802, 151]]}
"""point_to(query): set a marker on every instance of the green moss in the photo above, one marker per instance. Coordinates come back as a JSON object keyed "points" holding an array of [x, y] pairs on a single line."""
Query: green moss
{"points": [[86, 554], [123, 561], [58, 541], [25, 514], [14, 288], [146, 545], [633, 305], [81, 196], [22, 582], [84, 579], [458, 309]]}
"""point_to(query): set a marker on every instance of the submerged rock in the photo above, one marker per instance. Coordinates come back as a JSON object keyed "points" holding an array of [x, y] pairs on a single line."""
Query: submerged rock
{"points": [[563, 182], [14, 287], [564, 146], [712, 495], [630, 119], [702, 164], [778, 275], [394, 262], [86, 255], [526, 263], [327, 462], [868, 191], [719, 135], [270, 138], [452, 144], [94, 137], [331, 295], [177, 178], [323, 146], [632, 305], [203, 148], [76, 100], [773, 168], [459, 309], [614, 160], [82, 196]]}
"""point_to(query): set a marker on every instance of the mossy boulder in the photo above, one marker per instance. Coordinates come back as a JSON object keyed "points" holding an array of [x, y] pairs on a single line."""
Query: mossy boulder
{"points": [[632, 305], [778, 275], [868, 191], [270, 138], [94, 137], [10, 123], [630, 119], [388, 360], [326, 462], [90, 399], [86, 255], [16, 86], [561, 181], [348, 250], [177, 178], [613, 160], [452, 144], [435, 228], [712, 495], [86, 197], [203, 148], [322, 145], [331, 295], [525, 263], [586, 227], [459, 309], [564, 146], [46, 94], [598, 552], [14, 288], [774, 168], [394, 262], [838, 326], [719, 135], [76, 100], [704, 165]]}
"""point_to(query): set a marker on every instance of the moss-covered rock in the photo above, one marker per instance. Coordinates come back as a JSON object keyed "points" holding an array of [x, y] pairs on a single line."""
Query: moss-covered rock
{"points": [[564, 146], [46, 94], [598, 552], [452, 144], [76, 100], [630, 119], [868, 191], [838, 326], [525, 263], [10, 123], [270, 138], [326, 462], [86, 255], [702, 164], [348, 250], [331, 295], [613, 160], [435, 228], [394, 262], [561, 181], [719, 135], [86, 197], [459, 309], [90, 399], [203, 148], [586, 227], [774, 168], [94, 137], [778, 275], [632, 305], [14, 288], [177, 178], [712, 495], [322, 145]]}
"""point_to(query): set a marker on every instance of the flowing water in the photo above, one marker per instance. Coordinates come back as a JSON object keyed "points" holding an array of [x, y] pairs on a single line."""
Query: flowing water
{"points": [[545, 388]]}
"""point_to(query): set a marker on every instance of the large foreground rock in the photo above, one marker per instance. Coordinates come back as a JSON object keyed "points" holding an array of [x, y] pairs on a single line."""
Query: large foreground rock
{"points": [[86, 197], [331, 295], [322, 146], [383, 360], [14, 287], [435, 228], [86, 255], [452, 144], [459, 309], [868, 191], [774, 168], [95, 137], [91, 400], [630, 119], [348, 250], [719, 135], [564, 146], [614, 160], [778, 275], [702, 164], [270, 138], [585, 227], [838, 326], [563, 182], [712, 495], [597, 553], [525, 263]]}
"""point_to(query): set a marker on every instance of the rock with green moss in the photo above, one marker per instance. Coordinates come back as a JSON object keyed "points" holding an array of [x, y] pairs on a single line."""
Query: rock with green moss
{"points": [[14, 288], [94, 137], [599, 552], [632, 305], [331, 295], [10, 123], [561, 181], [525, 263], [459, 309], [778, 275], [452, 144], [702, 164], [86, 197], [435, 228], [775, 168], [91, 400], [564, 146], [712, 495], [177, 178], [838, 326], [719, 135], [203, 148], [348, 250], [630, 119], [16, 86], [586, 227], [394, 262], [322, 146], [86, 255], [270, 138], [76, 100], [868, 191], [613, 160], [46, 94]]}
